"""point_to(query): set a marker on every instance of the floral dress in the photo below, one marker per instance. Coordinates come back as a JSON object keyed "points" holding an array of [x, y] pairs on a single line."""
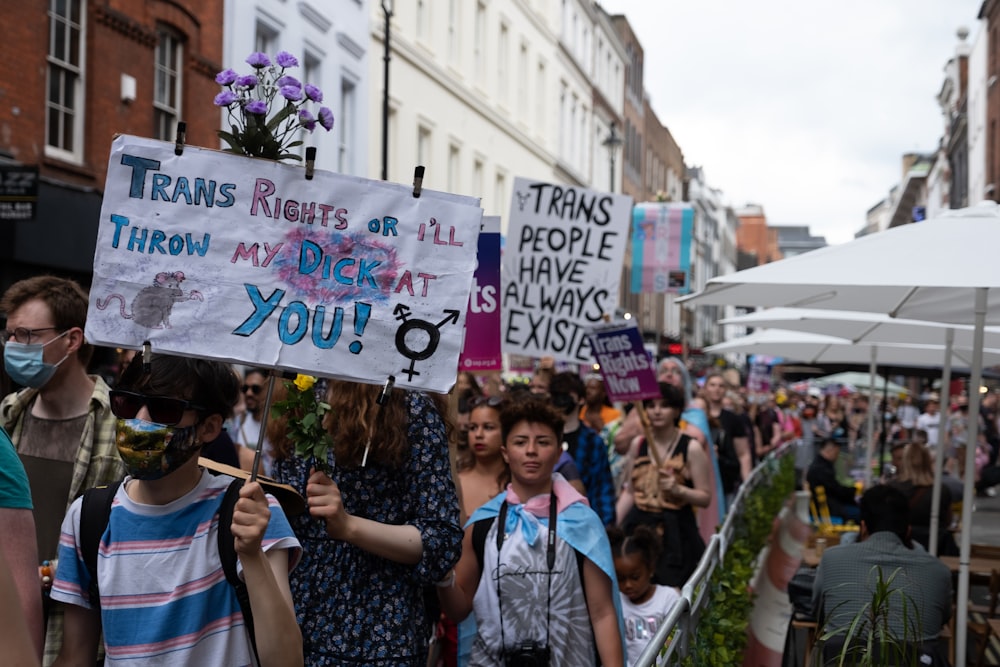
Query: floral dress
{"points": [[355, 607]]}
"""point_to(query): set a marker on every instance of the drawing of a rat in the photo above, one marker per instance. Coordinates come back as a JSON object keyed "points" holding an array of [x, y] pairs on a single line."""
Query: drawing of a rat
{"points": [[152, 305]]}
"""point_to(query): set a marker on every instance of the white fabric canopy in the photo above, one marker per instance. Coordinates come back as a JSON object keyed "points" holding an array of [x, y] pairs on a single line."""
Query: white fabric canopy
{"points": [[943, 269]]}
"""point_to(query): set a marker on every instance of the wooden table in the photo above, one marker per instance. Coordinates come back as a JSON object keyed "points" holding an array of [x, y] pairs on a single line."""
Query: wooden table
{"points": [[977, 564]]}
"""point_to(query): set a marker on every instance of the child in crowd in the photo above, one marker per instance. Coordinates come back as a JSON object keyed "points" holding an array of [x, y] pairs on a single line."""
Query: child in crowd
{"points": [[644, 604]]}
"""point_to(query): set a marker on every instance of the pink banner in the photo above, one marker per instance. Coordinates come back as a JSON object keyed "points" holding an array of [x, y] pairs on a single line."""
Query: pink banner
{"points": [[481, 351]]}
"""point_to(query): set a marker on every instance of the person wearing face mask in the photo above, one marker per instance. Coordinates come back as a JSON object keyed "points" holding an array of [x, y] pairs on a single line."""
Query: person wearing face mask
{"points": [[161, 595], [586, 447], [61, 422]]}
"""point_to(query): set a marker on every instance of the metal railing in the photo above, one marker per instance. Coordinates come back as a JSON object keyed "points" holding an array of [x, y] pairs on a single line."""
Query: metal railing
{"points": [[672, 638]]}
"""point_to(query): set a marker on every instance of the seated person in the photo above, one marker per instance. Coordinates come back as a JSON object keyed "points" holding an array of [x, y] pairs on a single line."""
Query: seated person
{"points": [[822, 472], [919, 602]]}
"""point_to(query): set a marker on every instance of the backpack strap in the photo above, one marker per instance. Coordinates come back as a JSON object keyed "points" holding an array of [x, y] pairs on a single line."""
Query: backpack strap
{"points": [[95, 512], [229, 559], [480, 530]]}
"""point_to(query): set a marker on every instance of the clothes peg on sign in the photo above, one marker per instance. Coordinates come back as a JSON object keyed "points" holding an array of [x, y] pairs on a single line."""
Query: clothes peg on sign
{"points": [[180, 138], [310, 162], [418, 180]]}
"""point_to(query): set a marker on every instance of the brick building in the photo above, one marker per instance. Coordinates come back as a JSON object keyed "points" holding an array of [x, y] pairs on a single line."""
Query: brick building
{"points": [[754, 236], [76, 73]]}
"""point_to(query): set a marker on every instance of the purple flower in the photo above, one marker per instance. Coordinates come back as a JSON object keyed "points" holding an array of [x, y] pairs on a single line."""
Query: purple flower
{"points": [[286, 59], [257, 107], [288, 81], [307, 119], [291, 93], [326, 118], [314, 93], [225, 98], [225, 77], [258, 60], [247, 81]]}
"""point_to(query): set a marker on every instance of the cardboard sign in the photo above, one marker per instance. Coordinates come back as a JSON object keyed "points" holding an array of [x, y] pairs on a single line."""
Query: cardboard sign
{"points": [[627, 367], [482, 325], [215, 255], [561, 267]]}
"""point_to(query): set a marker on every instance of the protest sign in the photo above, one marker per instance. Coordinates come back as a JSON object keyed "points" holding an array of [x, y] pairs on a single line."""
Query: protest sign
{"points": [[626, 366], [661, 248], [214, 255], [561, 267], [481, 351]]}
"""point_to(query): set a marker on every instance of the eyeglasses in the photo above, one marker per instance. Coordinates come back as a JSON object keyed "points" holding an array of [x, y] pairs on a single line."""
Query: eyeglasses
{"points": [[252, 388], [488, 401], [162, 409], [23, 335]]}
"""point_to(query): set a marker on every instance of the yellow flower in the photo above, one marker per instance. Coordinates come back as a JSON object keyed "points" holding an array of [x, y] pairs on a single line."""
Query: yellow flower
{"points": [[304, 382]]}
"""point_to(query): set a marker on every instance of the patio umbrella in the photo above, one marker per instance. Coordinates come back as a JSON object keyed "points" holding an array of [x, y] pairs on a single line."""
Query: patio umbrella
{"points": [[860, 381], [942, 269], [870, 327]]}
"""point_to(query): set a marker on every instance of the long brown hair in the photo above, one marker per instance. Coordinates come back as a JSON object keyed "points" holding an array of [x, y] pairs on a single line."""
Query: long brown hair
{"points": [[355, 417]]}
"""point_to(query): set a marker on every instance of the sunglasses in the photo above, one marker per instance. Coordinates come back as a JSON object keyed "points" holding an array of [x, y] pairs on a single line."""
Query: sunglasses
{"points": [[252, 388], [488, 401], [162, 409]]}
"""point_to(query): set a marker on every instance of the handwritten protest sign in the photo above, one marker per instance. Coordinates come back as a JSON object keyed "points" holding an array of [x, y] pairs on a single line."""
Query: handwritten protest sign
{"points": [[625, 364], [482, 325], [661, 247], [561, 267], [213, 255]]}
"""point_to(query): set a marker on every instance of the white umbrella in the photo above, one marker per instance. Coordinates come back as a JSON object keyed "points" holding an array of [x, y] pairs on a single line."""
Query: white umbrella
{"points": [[862, 326], [871, 327], [821, 349], [860, 381], [942, 269]]}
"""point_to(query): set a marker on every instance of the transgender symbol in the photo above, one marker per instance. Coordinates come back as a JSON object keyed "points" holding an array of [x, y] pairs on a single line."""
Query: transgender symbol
{"points": [[432, 331]]}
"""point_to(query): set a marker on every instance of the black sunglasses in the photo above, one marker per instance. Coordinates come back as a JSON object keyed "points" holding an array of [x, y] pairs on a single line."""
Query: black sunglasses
{"points": [[488, 401], [162, 409], [252, 388]]}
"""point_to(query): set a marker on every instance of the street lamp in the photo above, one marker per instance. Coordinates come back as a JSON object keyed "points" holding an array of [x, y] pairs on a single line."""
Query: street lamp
{"points": [[612, 142], [387, 8]]}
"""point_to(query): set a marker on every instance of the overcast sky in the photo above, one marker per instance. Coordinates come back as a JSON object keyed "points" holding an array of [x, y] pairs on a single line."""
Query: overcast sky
{"points": [[803, 107]]}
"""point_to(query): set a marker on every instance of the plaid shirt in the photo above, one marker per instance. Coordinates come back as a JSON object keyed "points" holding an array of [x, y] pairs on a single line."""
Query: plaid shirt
{"points": [[97, 463], [847, 575]]}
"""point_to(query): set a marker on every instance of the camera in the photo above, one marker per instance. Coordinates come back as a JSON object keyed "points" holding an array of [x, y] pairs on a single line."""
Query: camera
{"points": [[527, 654]]}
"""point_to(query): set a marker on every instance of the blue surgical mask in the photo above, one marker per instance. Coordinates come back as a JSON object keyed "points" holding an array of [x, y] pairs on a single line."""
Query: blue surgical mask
{"points": [[26, 365], [152, 451]]}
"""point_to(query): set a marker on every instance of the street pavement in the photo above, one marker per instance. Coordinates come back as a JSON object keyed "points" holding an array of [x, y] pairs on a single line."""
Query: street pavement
{"points": [[986, 520]]}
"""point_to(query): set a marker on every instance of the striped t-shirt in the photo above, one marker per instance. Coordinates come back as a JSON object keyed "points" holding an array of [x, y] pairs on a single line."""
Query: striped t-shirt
{"points": [[164, 595]]}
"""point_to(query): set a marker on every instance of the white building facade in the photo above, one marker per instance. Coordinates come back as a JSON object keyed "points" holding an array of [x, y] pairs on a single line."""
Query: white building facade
{"points": [[482, 91], [330, 40]]}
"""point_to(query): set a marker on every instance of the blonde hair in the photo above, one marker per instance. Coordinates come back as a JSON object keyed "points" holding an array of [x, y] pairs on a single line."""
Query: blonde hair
{"points": [[917, 467]]}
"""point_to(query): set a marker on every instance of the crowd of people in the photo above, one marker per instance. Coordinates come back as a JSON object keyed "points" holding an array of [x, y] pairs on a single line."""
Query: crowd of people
{"points": [[502, 524]]}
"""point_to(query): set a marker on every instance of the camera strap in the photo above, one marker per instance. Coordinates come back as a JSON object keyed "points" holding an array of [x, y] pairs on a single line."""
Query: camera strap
{"points": [[550, 561]]}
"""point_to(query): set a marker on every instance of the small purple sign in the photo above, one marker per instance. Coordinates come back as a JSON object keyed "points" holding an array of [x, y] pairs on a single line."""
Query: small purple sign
{"points": [[627, 368], [481, 351]]}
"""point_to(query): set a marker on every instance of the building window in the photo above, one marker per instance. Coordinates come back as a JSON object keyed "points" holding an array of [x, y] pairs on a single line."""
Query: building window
{"points": [[500, 192], [265, 38], [522, 82], [480, 40], [503, 52], [167, 84], [477, 178], [454, 21], [540, 95], [347, 132], [64, 97], [454, 168], [423, 145]]}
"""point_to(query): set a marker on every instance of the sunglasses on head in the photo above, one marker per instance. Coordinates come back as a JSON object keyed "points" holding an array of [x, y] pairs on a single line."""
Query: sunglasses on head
{"points": [[488, 401], [252, 388], [162, 409]]}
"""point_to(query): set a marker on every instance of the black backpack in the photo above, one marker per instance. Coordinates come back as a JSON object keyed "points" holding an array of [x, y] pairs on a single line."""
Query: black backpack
{"points": [[95, 512]]}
